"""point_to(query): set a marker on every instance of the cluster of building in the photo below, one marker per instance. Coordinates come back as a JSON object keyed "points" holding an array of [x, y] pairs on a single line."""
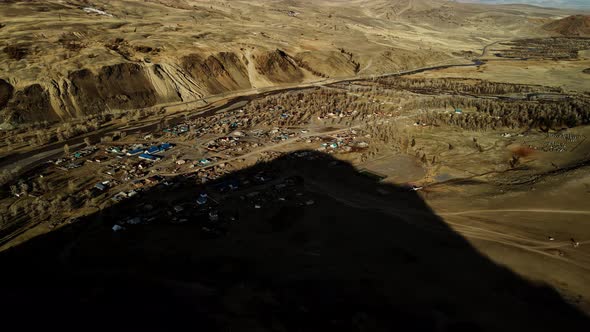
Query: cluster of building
{"points": [[568, 137], [177, 130], [209, 174], [553, 146], [222, 143], [343, 142], [150, 153], [337, 113], [560, 142], [74, 160]]}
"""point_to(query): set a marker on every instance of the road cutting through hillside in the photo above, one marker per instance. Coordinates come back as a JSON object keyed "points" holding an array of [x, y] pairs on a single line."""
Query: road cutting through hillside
{"points": [[29, 158]]}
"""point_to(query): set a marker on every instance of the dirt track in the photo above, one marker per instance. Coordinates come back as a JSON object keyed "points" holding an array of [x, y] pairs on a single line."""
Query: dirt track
{"points": [[516, 210], [358, 199], [37, 156]]}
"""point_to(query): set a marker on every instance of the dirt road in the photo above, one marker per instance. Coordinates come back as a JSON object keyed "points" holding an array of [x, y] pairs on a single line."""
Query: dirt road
{"points": [[358, 199], [515, 210], [35, 157]]}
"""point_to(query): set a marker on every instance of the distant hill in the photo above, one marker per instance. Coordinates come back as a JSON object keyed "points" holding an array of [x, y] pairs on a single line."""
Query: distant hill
{"points": [[574, 4], [575, 25]]}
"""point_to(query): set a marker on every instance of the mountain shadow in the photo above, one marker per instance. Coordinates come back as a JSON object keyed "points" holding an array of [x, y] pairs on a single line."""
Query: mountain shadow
{"points": [[301, 243]]}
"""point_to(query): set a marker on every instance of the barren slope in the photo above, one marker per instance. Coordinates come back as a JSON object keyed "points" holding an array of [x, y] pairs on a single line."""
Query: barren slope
{"points": [[60, 60], [575, 25]]}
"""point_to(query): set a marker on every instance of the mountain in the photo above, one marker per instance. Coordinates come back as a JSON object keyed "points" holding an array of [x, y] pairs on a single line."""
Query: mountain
{"points": [[575, 25], [68, 59]]}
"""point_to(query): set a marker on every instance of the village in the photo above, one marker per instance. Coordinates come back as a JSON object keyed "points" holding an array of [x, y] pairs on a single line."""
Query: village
{"points": [[295, 165], [376, 129], [197, 153]]}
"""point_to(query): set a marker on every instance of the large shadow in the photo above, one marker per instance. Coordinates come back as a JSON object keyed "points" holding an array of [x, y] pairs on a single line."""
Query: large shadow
{"points": [[305, 243]]}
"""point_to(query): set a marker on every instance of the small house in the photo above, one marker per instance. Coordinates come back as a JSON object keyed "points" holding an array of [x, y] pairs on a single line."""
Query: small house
{"points": [[114, 149], [213, 216], [134, 221], [202, 199], [117, 228]]}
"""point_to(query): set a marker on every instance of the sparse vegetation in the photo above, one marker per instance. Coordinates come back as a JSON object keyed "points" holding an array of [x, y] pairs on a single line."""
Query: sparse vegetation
{"points": [[73, 42], [8, 175], [121, 46], [462, 86], [558, 48], [491, 114], [16, 52], [199, 139]]}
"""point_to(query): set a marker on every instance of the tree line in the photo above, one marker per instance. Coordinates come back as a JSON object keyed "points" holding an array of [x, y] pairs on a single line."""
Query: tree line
{"points": [[493, 114]]}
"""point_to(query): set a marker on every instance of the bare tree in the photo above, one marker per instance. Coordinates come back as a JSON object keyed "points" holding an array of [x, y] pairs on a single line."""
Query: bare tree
{"points": [[14, 190], [14, 210], [71, 186], [23, 186]]}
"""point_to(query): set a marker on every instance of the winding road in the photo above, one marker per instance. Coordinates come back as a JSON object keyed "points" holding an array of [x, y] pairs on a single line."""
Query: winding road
{"points": [[32, 158]]}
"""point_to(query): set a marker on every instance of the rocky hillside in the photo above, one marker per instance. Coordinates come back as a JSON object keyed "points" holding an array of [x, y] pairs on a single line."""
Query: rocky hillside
{"points": [[131, 85], [66, 59], [575, 25]]}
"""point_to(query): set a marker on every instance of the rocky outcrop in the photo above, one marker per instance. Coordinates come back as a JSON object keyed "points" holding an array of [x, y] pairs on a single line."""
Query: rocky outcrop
{"points": [[278, 67], [122, 86], [218, 73], [575, 25], [173, 84], [133, 85], [30, 104]]}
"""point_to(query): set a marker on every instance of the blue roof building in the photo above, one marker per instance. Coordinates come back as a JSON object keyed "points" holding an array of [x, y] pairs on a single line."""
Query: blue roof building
{"points": [[134, 152], [153, 149], [149, 157]]}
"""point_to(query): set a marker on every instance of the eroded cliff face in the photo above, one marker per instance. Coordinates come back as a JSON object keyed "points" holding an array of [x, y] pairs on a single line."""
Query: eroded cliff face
{"points": [[30, 104], [218, 73], [122, 86], [133, 85], [278, 67]]}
